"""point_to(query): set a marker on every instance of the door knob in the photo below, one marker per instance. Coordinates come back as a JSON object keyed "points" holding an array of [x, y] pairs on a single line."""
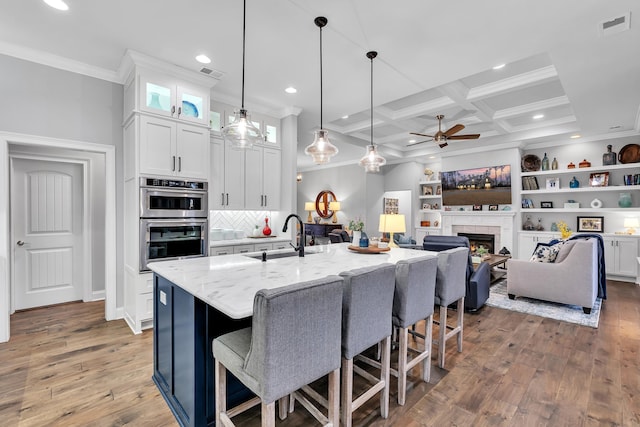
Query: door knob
{"points": [[20, 243]]}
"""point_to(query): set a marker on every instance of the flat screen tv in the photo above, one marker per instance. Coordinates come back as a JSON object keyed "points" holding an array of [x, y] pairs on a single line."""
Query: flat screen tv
{"points": [[480, 186]]}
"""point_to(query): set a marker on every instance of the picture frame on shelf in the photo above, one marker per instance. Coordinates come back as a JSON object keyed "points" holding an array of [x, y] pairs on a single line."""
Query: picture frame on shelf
{"points": [[426, 206], [546, 205], [493, 207], [439, 190], [477, 207], [599, 179], [553, 184], [527, 203], [593, 224], [427, 190]]}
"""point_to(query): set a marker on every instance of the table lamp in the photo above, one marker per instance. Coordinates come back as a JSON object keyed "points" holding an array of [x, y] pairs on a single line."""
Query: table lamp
{"points": [[309, 207], [631, 224], [392, 223], [335, 207]]}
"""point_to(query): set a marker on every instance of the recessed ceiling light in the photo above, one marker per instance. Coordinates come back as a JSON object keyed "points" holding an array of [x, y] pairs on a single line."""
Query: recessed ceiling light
{"points": [[411, 141], [432, 157], [203, 59], [497, 67], [291, 89], [57, 4], [538, 116], [575, 136], [345, 117]]}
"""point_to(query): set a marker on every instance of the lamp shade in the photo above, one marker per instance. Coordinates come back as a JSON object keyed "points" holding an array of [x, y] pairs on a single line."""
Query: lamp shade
{"points": [[309, 206], [631, 223], [392, 223], [242, 133], [334, 206]]}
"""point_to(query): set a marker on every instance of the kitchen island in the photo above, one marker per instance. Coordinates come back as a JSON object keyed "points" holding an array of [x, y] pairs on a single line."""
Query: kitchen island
{"points": [[198, 299]]}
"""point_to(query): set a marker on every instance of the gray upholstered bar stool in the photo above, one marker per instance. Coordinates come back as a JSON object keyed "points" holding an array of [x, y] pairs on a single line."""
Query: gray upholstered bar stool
{"points": [[366, 321], [450, 288], [413, 301], [294, 340]]}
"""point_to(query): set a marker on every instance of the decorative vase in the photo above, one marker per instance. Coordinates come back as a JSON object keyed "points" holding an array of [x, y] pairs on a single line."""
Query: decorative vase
{"points": [[609, 158], [266, 230], [554, 164], [574, 183], [155, 101], [256, 231], [624, 201], [545, 162], [356, 237], [528, 225]]}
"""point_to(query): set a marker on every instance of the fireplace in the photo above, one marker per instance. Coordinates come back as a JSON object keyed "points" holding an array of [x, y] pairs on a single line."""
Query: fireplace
{"points": [[477, 240]]}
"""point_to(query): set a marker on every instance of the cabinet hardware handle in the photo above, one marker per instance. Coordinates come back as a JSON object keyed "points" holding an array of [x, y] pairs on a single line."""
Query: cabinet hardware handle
{"points": [[222, 201], [179, 163], [179, 111], [227, 199], [174, 164], [265, 200], [20, 243], [173, 109]]}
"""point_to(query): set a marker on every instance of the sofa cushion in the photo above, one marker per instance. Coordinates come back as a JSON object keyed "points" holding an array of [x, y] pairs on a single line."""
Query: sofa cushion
{"points": [[405, 240], [565, 248]]}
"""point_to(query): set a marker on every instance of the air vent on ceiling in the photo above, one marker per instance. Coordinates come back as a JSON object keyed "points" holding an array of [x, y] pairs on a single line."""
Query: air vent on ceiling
{"points": [[212, 73], [615, 25]]}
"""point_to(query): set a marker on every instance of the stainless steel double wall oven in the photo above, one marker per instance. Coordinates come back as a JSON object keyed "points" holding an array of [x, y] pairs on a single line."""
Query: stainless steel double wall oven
{"points": [[173, 220]]}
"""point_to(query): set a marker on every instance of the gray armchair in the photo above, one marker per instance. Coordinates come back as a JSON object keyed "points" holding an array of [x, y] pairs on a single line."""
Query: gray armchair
{"points": [[478, 280]]}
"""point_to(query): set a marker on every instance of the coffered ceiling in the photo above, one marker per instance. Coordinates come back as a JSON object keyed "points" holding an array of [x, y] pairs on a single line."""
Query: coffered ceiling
{"points": [[567, 61]]}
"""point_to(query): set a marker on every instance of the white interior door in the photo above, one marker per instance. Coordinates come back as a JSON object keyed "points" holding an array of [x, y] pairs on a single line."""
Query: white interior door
{"points": [[47, 227]]}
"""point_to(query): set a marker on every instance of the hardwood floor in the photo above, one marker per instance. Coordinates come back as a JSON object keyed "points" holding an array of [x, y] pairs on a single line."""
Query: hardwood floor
{"points": [[66, 366]]}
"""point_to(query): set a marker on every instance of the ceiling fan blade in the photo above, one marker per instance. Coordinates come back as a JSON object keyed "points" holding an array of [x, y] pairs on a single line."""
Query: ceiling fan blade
{"points": [[470, 136], [419, 142], [442, 145], [420, 134], [454, 129]]}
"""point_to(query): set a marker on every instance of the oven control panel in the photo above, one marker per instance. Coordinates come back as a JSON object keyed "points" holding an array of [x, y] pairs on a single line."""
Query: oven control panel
{"points": [[173, 183]]}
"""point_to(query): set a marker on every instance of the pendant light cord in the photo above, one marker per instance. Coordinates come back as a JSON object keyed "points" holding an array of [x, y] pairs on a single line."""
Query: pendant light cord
{"points": [[320, 77], [244, 30], [371, 55]]}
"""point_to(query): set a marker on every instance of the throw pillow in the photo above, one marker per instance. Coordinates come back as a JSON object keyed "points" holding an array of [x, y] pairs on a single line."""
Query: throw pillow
{"points": [[404, 240], [545, 253]]}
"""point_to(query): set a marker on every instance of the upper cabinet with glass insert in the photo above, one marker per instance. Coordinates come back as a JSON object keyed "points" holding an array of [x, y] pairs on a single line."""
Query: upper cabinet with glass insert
{"points": [[222, 115], [169, 97]]}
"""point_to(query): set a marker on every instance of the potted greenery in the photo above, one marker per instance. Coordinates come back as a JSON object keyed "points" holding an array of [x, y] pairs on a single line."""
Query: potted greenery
{"points": [[356, 226]]}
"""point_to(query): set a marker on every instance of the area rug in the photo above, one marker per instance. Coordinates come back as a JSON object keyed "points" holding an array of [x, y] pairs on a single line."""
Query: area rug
{"points": [[564, 312]]}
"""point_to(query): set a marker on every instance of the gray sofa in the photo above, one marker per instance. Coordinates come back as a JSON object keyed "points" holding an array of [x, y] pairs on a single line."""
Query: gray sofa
{"points": [[571, 279]]}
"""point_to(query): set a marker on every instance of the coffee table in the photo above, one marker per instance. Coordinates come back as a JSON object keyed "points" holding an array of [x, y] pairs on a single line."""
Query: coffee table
{"points": [[494, 261]]}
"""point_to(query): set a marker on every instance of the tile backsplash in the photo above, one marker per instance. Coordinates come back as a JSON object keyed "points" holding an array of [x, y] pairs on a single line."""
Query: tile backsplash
{"points": [[245, 220]]}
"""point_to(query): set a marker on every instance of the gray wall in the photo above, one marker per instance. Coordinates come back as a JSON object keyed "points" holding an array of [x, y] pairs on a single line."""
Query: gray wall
{"points": [[44, 101]]}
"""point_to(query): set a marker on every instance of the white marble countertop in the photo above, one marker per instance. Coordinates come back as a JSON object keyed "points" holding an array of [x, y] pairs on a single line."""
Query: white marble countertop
{"points": [[229, 283], [248, 241]]}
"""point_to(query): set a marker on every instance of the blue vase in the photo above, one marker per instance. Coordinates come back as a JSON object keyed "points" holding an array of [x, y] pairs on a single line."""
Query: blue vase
{"points": [[574, 183], [625, 200]]}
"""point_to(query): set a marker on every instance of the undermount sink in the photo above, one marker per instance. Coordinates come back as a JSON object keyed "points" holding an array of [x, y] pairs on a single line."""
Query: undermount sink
{"points": [[278, 255]]}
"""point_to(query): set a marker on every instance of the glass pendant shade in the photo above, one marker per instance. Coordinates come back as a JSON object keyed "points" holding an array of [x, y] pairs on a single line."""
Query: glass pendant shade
{"points": [[242, 133], [321, 150], [372, 161]]}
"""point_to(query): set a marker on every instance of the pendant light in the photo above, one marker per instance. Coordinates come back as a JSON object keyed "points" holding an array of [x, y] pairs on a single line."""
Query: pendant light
{"points": [[372, 160], [321, 149], [242, 133]]}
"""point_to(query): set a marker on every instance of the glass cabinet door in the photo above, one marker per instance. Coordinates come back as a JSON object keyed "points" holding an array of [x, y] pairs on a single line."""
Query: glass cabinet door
{"points": [[157, 98], [191, 105]]}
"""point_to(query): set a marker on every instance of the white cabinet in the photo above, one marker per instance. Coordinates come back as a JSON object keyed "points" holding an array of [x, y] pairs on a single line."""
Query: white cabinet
{"points": [[262, 178], [621, 255], [421, 232], [220, 250], [226, 185], [241, 179], [528, 240], [167, 96], [168, 148]]}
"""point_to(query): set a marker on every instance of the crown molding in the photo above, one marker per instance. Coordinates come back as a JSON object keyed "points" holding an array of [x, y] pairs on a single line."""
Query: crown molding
{"points": [[59, 62], [534, 106], [519, 81]]}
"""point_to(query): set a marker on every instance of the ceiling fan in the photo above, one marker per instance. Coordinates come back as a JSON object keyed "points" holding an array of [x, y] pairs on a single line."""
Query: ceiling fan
{"points": [[441, 138]]}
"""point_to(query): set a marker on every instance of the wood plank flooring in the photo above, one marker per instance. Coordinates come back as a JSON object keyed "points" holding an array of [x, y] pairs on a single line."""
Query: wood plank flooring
{"points": [[66, 366]]}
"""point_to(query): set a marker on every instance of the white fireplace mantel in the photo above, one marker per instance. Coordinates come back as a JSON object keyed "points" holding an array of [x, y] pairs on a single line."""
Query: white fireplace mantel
{"points": [[475, 221]]}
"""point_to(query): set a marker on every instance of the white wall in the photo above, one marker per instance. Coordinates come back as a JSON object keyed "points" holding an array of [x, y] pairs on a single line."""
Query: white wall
{"points": [[44, 101]]}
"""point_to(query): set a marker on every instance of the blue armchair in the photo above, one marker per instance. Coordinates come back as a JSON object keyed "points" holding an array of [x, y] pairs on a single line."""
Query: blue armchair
{"points": [[478, 280]]}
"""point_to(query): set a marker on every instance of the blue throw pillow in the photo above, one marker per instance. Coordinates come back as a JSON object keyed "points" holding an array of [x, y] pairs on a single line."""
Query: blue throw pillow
{"points": [[404, 240]]}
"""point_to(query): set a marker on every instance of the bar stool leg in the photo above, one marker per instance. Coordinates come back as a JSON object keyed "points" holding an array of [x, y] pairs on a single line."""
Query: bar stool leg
{"points": [[403, 337], [442, 334], [347, 391], [268, 414], [460, 320], [221, 391], [426, 362], [334, 398], [384, 376]]}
